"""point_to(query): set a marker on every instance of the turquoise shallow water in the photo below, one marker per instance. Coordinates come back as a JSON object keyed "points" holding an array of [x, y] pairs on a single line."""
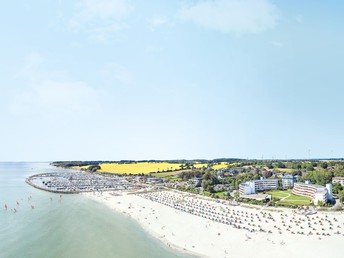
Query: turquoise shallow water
{"points": [[72, 227]]}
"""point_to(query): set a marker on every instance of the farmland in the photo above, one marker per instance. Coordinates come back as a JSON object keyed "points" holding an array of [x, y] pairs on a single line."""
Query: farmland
{"points": [[138, 168], [148, 167], [221, 165], [201, 165]]}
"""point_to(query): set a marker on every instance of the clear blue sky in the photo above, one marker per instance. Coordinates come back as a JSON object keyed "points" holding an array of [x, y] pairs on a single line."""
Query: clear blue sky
{"points": [[118, 79]]}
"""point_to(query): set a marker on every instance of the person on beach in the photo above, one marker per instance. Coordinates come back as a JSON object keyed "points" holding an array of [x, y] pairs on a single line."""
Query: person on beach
{"points": [[5, 206]]}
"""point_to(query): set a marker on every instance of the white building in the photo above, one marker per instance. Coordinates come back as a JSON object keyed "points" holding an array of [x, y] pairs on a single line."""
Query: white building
{"points": [[315, 192], [251, 187], [288, 181], [247, 188], [339, 180]]}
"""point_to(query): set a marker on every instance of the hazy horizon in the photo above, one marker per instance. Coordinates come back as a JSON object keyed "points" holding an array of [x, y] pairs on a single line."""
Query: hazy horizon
{"points": [[130, 79], [114, 160]]}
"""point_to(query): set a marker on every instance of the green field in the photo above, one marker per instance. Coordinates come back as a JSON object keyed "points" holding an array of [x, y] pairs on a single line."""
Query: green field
{"points": [[221, 195], [289, 198], [167, 176]]}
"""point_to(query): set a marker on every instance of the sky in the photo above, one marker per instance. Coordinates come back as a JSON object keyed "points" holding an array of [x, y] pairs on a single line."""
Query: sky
{"points": [[182, 79]]}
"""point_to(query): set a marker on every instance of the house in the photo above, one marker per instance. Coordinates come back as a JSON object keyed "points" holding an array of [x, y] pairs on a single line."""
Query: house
{"points": [[197, 181], [339, 180], [218, 187], [288, 181]]}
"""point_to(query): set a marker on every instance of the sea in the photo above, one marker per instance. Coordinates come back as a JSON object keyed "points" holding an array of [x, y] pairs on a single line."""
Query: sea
{"points": [[42, 224]]}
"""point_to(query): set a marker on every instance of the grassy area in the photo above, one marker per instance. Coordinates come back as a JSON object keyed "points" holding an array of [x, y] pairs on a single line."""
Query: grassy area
{"points": [[285, 170], [279, 194], [290, 198], [221, 195], [167, 175]]}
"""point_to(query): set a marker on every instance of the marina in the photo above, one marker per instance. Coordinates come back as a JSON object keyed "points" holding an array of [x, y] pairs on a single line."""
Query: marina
{"points": [[77, 182]]}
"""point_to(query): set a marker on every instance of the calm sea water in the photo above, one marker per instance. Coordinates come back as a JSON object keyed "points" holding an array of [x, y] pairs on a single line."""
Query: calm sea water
{"points": [[72, 227]]}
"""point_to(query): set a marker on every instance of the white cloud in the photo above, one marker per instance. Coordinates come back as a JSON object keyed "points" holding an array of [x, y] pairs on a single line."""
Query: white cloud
{"points": [[104, 34], [113, 73], [100, 18], [232, 16], [51, 95], [154, 49], [157, 22]]}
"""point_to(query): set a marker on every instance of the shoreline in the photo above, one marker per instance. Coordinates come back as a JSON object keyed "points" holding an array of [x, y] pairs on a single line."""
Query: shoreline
{"points": [[170, 245], [201, 237]]}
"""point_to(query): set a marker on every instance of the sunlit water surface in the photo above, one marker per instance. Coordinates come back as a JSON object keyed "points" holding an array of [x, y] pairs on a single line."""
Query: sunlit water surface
{"points": [[71, 227]]}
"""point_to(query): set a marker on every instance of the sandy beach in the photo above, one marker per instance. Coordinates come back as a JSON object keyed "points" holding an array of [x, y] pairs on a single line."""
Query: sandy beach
{"points": [[206, 228]]}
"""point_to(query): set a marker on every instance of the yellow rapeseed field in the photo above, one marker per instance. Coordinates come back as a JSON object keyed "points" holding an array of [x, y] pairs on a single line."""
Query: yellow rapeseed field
{"points": [[148, 167], [222, 165], [200, 165], [138, 168]]}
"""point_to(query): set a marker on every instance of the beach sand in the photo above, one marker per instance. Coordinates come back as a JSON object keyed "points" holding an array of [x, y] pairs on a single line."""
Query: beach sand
{"points": [[203, 237]]}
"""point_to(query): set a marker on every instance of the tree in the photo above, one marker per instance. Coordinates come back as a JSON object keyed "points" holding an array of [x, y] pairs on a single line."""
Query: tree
{"points": [[267, 173], [341, 196], [324, 165], [205, 184], [207, 176], [280, 165], [211, 189], [270, 166], [93, 168], [337, 188], [319, 177], [310, 167], [297, 165]]}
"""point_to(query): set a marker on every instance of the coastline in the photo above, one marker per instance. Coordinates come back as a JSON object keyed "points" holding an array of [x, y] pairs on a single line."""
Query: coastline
{"points": [[118, 204], [202, 237]]}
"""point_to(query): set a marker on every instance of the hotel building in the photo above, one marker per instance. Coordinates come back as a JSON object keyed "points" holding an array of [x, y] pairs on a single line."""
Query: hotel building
{"points": [[315, 192], [251, 187]]}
